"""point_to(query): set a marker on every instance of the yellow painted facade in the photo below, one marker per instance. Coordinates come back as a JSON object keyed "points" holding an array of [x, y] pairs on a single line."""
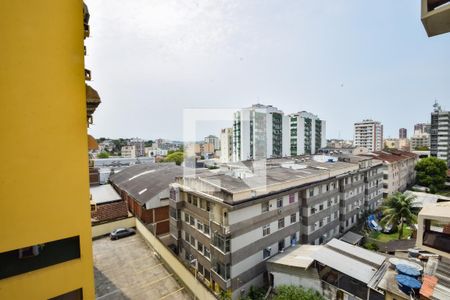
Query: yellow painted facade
{"points": [[44, 183]]}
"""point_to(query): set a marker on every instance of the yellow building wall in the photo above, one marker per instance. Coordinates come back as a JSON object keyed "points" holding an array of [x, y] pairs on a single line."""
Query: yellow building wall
{"points": [[44, 183]]}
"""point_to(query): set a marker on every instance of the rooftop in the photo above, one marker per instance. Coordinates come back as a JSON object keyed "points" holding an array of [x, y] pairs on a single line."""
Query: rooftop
{"points": [[297, 256], [104, 194], [392, 155]]}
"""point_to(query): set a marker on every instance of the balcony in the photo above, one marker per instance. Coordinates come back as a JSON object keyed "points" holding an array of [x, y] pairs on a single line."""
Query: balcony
{"points": [[92, 102], [436, 16]]}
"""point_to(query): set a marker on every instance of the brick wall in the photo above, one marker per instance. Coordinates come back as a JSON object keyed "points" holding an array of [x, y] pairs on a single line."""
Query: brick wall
{"points": [[110, 211]]}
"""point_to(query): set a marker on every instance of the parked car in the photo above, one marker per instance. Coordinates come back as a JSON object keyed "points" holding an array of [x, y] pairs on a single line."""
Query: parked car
{"points": [[121, 233]]}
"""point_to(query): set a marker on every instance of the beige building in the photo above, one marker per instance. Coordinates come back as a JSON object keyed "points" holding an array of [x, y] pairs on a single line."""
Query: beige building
{"points": [[128, 151], [398, 170], [369, 134], [436, 16]]}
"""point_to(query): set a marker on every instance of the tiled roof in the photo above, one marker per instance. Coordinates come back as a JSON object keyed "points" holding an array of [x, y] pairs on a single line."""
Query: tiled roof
{"points": [[392, 155]]}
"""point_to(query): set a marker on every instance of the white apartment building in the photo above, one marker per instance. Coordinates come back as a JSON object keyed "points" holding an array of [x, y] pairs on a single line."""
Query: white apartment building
{"points": [[307, 133], [226, 145], [212, 139], [440, 134], [139, 146], [259, 132], [128, 151], [369, 134]]}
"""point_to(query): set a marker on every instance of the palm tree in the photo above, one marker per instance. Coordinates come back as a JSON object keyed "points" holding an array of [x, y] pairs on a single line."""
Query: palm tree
{"points": [[398, 210]]}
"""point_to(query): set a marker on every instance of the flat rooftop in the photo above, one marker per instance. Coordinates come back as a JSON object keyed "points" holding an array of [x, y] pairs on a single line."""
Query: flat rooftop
{"points": [[104, 194], [128, 269]]}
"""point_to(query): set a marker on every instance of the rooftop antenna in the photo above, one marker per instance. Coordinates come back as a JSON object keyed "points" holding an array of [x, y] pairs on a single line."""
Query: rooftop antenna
{"points": [[436, 106]]}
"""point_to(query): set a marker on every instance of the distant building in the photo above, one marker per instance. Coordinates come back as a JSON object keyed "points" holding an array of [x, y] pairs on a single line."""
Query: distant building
{"points": [[398, 170], [402, 133], [440, 134], [421, 128], [139, 146], [391, 143], [226, 145], [338, 143], [369, 134], [307, 133], [259, 132], [214, 140], [106, 204], [420, 141], [128, 151]]}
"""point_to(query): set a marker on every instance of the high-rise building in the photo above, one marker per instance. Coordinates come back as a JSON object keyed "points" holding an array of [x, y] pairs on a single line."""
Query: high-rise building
{"points": [[369, 134], [440, 133], [226, 145], [307, 133], [422, 128], [402, 133], [139, 146], [259, 132], [214, 140], [46, 243]]}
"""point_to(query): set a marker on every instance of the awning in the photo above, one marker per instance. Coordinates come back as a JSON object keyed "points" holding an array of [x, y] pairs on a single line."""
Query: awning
{"points": [[92, 143]]}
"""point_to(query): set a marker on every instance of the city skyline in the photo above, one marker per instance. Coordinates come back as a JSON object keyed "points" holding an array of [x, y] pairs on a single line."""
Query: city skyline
{"points": [[152, 59]]}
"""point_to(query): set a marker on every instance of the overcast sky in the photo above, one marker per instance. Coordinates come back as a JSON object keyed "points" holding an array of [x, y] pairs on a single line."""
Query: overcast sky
{"points": [[344, 60]]}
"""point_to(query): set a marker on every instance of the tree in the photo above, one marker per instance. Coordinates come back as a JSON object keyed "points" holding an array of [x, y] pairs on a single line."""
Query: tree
{"points": [[103, 154], [422, 148], [398, 210], [176, 157], [292, 292], [431, 172]]}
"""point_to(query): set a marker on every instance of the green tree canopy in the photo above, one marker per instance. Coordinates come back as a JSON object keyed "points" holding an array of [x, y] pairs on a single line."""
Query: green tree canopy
{"points": [[176, 157], [431, 172], [398, 210], [422, 148], [291, 292], [103, 154]]}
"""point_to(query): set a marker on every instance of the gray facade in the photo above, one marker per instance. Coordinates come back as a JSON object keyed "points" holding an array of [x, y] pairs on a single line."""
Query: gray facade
{"points": [[440, 134]]}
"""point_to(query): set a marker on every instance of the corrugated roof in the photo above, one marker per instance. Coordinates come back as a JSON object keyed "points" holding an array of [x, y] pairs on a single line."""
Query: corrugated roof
{"points": [[298, 256], [104, 194], [351, 238], [145, 181]]}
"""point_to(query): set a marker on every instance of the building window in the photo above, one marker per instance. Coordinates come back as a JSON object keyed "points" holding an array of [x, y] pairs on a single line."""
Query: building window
{"points": [[266, 229], [195, 201], [265, 206], [291, 198], [200, 226], [192, 241], [206, 229], [191, 220], [186, 217], [293, 239], [206, 252], [208, 206], [311, 192], [38, 256], [279, 202], [281, 223], [203, 204], [189, 198], [281, 245], [200, 247], [223, 270], [320, 223], [222, 243], [313, 210], [187, 237], [266, 253], [320, 207], [293, 218]]}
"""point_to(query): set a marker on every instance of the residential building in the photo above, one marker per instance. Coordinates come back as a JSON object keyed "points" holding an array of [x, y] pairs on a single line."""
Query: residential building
{"points": [[139, 146], [145, 188], [106, 204], [404, 145], [422, 128], [260, 132], [214, 140], [128, 151], [369, 134], [46, 245], [307, 133], [398, 170], [391, 143], [402, 133], [420, 141], [226, 145], [336, 270], [440, 134], [226, 224], [435, 15], [348, 150]]}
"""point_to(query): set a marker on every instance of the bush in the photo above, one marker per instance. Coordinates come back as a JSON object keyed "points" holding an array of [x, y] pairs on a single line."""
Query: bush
{"points": [[371, 246], [103, 155], [291, 292]]}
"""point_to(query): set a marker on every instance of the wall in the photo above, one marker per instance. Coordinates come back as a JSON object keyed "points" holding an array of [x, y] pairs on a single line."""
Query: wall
{"points": [[102, 229], [175, 265], [110, 211]]}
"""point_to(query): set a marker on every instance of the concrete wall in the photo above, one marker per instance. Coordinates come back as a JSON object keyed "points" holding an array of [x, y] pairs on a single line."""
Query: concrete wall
{"points": [[102, 229], [198, 289]]}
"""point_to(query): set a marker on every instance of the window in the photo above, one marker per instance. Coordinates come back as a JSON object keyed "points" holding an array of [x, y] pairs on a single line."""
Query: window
{"points": [[186, 217], [206, 229], [223, 270], [199, 226], [291, 198], [195, 201], [279, 202], [281, 245], [311, 192], [192, 241], [206, 252], [281, 223], [191, 220], [200, 247], [266, 229], [320, 223], [189, 198], [265, 206], [222, 243], [313, 210], [187, 237], [203, 204], [266, 253], [208, 206], [200, 269], [293, 218], [328, 187], [320, 207], [34, 257], [293, 239]]}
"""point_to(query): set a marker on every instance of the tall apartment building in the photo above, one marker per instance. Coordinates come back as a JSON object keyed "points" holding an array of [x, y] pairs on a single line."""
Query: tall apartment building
{"points": [[260, 132], [128, 151], [46, 245], [214, 140], [307, 133], [226, 224], [422, 128], [369, 134], [440, 134], [226, 145], [402, 133], [139, 146]]}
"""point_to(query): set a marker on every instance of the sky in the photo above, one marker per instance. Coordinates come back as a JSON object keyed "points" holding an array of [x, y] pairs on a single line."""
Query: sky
{"points": [[344, 60]]}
